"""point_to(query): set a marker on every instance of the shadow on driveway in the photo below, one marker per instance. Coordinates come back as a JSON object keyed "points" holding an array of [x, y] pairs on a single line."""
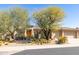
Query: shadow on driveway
{"points": [[51, 51]]}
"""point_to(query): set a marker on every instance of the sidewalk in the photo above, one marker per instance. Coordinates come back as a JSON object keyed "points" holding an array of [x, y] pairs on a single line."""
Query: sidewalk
{"points": [[7, 50]]}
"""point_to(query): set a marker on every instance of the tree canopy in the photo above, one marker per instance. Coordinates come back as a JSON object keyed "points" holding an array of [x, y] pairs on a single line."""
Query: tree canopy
{"points": [[49, 19], [13, 19]]}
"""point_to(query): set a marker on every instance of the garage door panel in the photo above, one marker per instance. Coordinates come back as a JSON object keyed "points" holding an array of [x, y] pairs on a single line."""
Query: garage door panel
{"points": [[69, 34]]}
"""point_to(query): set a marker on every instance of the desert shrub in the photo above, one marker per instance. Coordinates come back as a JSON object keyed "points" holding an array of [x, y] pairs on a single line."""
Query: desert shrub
{"points": [[1, 43], [62, 40], [35, 41], [40, 41], [11, 41], [0, 39], [6, 43]]}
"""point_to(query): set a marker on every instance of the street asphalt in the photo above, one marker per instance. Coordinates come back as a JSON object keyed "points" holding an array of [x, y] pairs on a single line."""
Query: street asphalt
{"points": [[51, 51]]}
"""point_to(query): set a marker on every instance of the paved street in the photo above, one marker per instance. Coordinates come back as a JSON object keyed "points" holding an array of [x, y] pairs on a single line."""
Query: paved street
{"points": [[51, 51]]}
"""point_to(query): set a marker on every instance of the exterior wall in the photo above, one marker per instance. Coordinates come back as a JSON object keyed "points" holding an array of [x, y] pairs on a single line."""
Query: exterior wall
{"points": [[57, 34], [29, 33]]}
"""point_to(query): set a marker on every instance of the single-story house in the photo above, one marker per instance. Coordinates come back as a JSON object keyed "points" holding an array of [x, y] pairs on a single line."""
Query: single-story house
{"points": [[72, 34], [67, 32]]}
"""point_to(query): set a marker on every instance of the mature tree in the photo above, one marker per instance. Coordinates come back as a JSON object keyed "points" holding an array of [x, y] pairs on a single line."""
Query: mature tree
{"points": [[4, 22], [19, 17], [13, 20], [49, 19]]}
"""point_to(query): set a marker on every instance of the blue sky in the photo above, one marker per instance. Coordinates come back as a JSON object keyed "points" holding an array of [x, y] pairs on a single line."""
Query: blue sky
{"points": [[71, 11]]}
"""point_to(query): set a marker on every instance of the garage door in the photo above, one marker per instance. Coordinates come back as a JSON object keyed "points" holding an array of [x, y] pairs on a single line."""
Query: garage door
{"points": [[71, 38], [69, 34]]}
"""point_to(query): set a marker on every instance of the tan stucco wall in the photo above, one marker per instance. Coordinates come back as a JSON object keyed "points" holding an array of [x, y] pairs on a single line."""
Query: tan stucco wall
{"points": [[78, 34]]}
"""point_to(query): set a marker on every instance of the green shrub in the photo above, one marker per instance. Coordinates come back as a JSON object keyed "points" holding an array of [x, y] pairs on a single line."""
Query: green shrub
{"points": [[62, 40]]}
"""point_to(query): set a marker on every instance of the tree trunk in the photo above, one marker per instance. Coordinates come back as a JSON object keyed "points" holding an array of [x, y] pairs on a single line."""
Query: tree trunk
{"points": [[47, 33], [11, 34]]}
